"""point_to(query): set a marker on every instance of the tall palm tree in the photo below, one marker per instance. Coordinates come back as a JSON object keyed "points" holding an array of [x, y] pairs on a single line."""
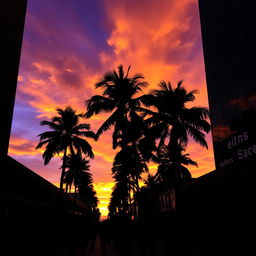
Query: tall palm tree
{"points": [[120, 98], [66, 133], [173, 120], [127, 169], [117, 205], [87, 193], [123, 183], [78, 174]]}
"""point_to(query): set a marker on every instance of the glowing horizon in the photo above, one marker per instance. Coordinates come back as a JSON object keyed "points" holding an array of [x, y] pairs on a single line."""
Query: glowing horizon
{"points": [[64, 55]]}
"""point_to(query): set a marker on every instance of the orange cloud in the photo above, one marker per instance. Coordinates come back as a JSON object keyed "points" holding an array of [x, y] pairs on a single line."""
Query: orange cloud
{"points": [[20, 78], [21, 146], [203, 157], [159, 40], [49, 86]]}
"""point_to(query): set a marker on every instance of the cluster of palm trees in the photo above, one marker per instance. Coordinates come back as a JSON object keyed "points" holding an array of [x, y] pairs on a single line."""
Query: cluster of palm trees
{"points": [[146, 127], [67, 136]]}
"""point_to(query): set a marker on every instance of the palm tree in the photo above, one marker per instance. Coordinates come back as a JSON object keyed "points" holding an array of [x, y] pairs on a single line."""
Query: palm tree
{"points": [[88, 194], [77, 172], [123, 183], [120, 99], [66, 133], [127, 169], [117, 206], [172, 119], [171, 170]]}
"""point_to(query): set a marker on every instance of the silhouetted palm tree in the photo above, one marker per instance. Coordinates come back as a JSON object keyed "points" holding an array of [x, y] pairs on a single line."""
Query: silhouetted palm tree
{"points": [[123, 183], [66, 134], [120, 99], [88, 194], [127, 169], [118, 202], [77, 172], [171, 170], [173, 119]]}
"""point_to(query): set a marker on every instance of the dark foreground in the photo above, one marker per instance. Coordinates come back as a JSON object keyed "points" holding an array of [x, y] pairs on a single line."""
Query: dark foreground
{"points": [[173, 236]]}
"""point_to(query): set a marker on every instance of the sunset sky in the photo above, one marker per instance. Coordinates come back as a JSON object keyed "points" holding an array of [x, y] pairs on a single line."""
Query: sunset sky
{"points": [[68, 45]]}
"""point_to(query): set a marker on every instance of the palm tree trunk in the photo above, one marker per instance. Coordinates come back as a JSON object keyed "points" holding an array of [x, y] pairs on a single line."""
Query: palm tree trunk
{"points": [[63, 169], [132, 205], [137, 183], [129, 200], [72, 150], [174, 137]]}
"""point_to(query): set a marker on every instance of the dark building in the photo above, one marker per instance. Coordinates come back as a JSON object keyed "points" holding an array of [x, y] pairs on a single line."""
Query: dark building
{"points": [[219, 207], [229, 39], [12, 18]]}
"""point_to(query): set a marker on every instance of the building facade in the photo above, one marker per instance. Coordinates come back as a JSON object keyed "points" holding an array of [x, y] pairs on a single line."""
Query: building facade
{"points": [[12, 19], [228, 34]]}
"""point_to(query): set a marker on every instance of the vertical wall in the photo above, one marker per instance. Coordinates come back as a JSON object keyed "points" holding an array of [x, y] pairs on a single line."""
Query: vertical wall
{"points": [[12, 18], [229, 44]]}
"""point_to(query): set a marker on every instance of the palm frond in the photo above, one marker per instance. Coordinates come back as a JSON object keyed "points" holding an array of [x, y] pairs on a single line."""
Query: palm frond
{"points": [[48, 135], [98, 104], [146, 99], [163, 85], [128, 70], [191, 95], [197, 113], [51, 125], [81, 144], [81, 127], [190, 162], [51, 150], [197, 135], [89, 134], [108, 123], [42, 143]]}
